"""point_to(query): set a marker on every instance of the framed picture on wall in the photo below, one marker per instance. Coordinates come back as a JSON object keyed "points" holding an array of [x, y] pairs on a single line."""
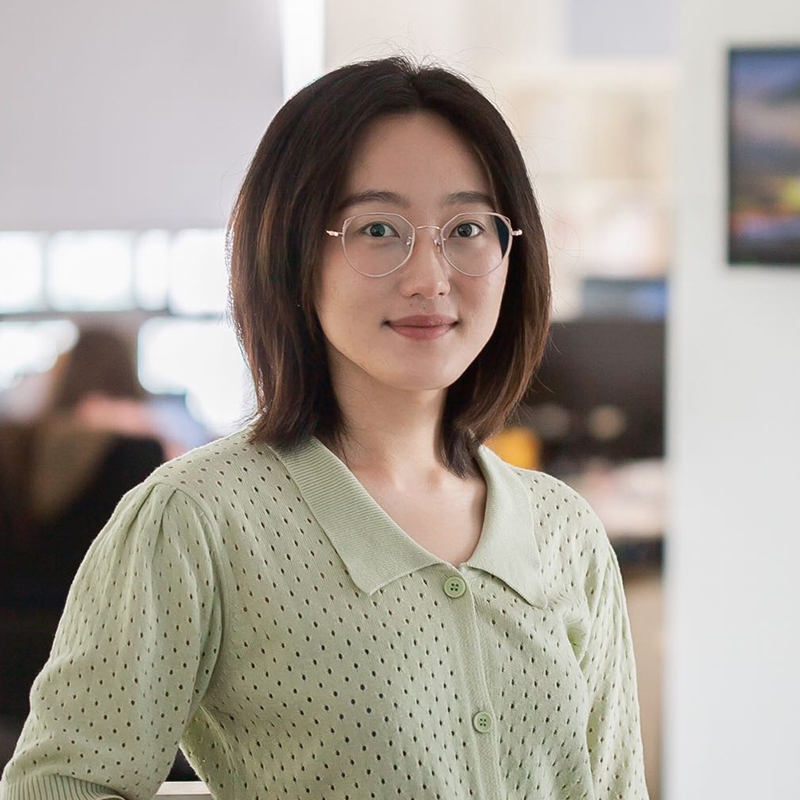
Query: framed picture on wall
{"points": [[764, 156]]}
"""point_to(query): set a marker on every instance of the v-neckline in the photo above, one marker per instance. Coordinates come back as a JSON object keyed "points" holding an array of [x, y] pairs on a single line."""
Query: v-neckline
{"points": [[381, 511], [376, 551]]}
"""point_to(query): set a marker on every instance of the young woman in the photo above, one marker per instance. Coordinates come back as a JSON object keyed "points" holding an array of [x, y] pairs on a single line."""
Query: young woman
{"points": [[352, 596]]}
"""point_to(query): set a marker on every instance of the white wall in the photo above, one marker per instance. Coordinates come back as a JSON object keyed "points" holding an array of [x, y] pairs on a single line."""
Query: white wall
{"points": [[131, 115], [733, 695]]}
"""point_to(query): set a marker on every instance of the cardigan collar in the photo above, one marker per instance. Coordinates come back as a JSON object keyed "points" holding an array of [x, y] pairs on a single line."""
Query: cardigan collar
{"points": [[376, 550]]}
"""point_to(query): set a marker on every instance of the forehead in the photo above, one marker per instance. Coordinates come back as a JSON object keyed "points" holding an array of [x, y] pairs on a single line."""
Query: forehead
{"points": [[415, 153]]}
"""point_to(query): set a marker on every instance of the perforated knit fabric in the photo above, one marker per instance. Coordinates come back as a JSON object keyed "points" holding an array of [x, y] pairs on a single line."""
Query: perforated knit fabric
{"points": [[258, 608]]}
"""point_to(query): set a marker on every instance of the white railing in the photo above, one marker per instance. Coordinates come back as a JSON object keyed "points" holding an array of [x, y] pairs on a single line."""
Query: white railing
{"points": [[185, 790]]}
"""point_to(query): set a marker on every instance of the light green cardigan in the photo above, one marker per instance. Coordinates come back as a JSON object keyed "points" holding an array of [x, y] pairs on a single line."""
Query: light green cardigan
{"points": [[261, 610]]}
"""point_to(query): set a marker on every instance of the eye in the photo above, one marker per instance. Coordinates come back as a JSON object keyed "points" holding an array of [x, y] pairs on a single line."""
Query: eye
{"points": [[467, 230], [378, 230]]}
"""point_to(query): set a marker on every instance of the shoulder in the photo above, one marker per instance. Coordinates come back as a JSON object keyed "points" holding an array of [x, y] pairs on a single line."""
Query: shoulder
{"points": [[551, 492], [564, 518], [217, 473]]}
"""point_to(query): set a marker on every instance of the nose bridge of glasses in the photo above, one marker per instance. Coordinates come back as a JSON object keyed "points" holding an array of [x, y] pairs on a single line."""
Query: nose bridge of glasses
{"points": [[437, 237]]}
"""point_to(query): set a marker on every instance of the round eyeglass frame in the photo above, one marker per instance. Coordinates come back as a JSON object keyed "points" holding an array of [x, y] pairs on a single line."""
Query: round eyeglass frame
{"points": [[437, 240]]}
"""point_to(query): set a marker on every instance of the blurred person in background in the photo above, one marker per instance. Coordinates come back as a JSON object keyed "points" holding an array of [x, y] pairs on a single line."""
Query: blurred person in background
{"points": [[64, 470], [62, 473]]}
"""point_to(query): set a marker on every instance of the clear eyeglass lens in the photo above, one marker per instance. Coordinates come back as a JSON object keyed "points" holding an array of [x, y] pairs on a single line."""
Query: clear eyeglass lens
{"points": [[475, 243]]}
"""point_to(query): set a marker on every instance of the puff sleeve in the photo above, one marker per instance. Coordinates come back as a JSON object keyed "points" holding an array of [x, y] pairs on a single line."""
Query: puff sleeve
{"points": [[132, 656], [613, 733]]}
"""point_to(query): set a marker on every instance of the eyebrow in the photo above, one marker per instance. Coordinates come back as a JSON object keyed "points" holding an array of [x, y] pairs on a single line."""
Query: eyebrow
{"points": [[377, 196]]}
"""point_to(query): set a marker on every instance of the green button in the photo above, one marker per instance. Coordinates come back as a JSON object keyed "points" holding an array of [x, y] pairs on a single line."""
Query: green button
{"points": [[482, 722], [455, 586]]}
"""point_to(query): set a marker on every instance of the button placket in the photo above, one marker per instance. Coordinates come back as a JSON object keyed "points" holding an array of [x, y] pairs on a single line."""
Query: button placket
{"points": [[455, 586]]}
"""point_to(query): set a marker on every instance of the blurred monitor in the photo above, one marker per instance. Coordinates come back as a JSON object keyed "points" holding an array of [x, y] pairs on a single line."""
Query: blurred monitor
{"points": [[605, 378], [642, 298]]}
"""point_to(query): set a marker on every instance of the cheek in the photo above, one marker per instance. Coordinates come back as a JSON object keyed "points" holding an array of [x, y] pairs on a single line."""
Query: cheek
{"points": [[483, 299], [346, 304]]}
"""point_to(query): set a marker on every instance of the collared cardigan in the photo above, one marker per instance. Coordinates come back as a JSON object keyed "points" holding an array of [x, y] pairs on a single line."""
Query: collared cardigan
{"points": [[259, 609]]}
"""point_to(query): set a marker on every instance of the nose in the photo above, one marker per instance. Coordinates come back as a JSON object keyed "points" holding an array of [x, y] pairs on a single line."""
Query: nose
{"points": [[417, 275], [421, 243]]}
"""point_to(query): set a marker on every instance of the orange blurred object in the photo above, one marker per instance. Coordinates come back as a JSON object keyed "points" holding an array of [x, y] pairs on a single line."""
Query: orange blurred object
{"points": [[518, 446]]}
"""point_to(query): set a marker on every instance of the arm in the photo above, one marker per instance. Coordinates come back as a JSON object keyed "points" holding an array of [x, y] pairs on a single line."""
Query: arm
{"points": [[131, 659], [613, 732]]}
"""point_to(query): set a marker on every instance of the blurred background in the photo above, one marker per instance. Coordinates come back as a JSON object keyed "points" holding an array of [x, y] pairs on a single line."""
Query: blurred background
{"points": [[663, 141]]}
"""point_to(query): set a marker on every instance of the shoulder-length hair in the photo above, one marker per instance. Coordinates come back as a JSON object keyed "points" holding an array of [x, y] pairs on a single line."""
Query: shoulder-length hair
{"points": [[274, 240]]}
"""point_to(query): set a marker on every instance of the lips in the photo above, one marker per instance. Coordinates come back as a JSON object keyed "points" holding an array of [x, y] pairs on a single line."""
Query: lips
{"points": [[423, 321], [422, 332]]}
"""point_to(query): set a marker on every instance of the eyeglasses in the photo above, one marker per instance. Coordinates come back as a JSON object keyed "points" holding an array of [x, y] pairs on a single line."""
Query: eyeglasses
{"points": [[474, 243]]}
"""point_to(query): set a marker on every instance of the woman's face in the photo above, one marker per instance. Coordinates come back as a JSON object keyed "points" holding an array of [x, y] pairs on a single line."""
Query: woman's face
{"points": [[422, 158]]}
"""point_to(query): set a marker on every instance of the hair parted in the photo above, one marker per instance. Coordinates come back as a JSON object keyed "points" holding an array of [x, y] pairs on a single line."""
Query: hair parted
{"points": [[275, 235]]}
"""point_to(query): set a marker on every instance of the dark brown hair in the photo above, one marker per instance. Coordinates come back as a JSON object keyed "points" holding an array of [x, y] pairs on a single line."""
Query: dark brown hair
{"points": [[274, 240]]}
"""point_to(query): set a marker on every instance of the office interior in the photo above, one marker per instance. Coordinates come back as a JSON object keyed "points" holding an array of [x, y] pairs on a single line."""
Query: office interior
{"points": [[664, 155]]}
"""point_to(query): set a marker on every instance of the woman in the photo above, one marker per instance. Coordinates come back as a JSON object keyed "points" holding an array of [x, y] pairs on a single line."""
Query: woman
{"points": [[352, 596]]}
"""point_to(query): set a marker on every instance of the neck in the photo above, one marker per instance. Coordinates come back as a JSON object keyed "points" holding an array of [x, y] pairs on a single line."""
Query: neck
{"points": [[380, 463]]}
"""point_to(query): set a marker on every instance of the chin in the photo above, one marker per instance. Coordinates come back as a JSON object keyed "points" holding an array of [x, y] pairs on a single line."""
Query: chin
{"points": [[423, 378]]}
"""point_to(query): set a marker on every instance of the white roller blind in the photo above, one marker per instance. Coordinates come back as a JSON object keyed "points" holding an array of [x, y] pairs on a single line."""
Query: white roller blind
{"points": [[132, 115]]}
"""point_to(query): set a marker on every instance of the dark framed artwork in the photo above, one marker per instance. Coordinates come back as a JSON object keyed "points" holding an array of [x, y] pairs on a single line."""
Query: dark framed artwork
{"points": [[764, 156]]}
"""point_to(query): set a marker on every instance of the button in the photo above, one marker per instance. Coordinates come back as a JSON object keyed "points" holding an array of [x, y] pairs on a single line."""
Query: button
{"points": [[455, 586], [482, 722]]}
